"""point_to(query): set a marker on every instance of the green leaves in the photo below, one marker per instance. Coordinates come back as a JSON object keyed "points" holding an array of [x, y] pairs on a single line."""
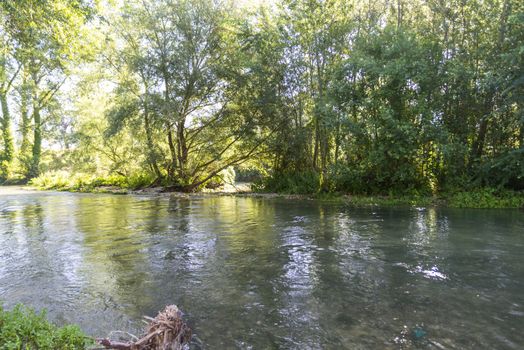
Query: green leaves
{"points": [[23, 328], [370, 97]]}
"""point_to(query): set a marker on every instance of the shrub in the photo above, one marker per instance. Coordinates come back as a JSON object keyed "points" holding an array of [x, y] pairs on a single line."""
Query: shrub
{"points": [[486, 198], [23, 328], [138, 180], [52, 180], [365, 180], [61, 180], [506, 170], [247, 174]]}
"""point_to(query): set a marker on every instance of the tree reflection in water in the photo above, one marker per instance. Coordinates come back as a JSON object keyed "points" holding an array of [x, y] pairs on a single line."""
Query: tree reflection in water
{"points": [[267, 273]]}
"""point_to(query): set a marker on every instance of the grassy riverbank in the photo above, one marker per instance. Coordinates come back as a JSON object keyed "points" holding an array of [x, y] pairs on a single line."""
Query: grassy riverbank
{"points": [[63, 181], [480, 198], [24, 328], [475, 198]]}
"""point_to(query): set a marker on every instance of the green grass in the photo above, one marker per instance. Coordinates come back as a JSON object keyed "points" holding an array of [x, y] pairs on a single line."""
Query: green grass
{"points": [[24, 329], [393, 201], [63, 181], [486, 198], [479, 198]]}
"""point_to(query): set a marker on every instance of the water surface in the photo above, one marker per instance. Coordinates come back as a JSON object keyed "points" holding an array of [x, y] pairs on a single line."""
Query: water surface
{"points": [[254, 273]]}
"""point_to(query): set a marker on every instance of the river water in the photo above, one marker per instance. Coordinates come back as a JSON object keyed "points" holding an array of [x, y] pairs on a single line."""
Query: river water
{"points": [[258, 273]]}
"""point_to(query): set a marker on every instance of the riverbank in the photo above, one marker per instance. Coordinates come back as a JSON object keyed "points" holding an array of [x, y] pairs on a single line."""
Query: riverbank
{"points": [[480, 198], [24, 328], [140, 184]]}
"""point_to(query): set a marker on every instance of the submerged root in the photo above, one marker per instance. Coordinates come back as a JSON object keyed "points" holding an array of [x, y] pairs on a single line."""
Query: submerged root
{"points": [[167, 331]]}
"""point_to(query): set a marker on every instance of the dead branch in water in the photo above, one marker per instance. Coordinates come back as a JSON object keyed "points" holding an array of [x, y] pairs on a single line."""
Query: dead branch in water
{"points": [[167, 331]]}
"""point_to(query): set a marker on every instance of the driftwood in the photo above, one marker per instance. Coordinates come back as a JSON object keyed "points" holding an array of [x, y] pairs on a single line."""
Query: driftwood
{"points": [[167, 331]]}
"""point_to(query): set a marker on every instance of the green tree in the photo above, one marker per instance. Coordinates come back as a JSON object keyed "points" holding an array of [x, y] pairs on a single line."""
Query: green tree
{"points": [[46, 35], [9, 70]]}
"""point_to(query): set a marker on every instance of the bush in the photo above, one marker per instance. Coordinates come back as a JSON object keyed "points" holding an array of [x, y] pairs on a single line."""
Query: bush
{"points": [[23, 328], [247, 174], [349, 180], [52, 180], [138, 180], [504, 171], [362, 180], [486, 198], [61, 180]]}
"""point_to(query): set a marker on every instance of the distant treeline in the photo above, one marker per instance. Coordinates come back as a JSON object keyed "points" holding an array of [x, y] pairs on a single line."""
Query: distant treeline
{"points": [[364, 97]]}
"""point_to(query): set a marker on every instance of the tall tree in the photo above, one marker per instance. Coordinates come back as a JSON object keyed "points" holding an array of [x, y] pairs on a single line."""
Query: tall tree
{"points": [[47, 37], [9, 70]]}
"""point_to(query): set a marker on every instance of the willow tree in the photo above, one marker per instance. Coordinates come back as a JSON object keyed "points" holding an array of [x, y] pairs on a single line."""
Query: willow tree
{"points": [[181, 58], [46, 37], [135, 105]]}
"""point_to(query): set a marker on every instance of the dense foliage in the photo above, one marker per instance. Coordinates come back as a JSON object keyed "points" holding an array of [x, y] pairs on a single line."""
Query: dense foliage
{"points": [[23, 328], [385, 97]]}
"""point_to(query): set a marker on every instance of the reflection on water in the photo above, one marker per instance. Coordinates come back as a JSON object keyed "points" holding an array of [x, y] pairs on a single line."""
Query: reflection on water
{"points": [[259, 273]]}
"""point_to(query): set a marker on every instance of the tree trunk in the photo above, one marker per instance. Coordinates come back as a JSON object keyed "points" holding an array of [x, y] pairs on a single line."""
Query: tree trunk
{"points": [[323, 133], [37, 144], [150, 144], [317, 139], [173, 165], [182, 151], [521, 136], [478, 146], [337, 140], [399, 14], [24, 114], [170, 141], [7, 135], [26, 121]]}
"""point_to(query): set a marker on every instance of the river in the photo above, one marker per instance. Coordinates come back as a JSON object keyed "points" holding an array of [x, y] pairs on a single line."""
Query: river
{"points": [[268, 273]]}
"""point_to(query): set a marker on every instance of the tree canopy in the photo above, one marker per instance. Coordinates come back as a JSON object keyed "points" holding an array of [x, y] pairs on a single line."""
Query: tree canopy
{"points": [[362, 97]]}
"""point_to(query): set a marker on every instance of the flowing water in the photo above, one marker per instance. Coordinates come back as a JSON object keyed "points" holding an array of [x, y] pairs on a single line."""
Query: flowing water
{"points": [[255, 273]]}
